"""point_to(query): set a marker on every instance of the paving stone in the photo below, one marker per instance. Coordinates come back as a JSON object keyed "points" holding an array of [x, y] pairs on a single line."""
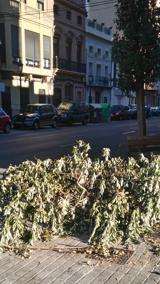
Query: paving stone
{"points": [[36, 275], [53, 263], [144, 273], [25, 266], [105, 276], [47, 266], [88, 278], [83, 271], [154, 276]]}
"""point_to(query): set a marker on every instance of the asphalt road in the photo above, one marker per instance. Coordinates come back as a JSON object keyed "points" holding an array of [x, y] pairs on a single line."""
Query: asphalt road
{"points": [[45, 143]]}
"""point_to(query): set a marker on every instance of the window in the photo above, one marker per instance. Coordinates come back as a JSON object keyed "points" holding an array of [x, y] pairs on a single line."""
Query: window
{"points": [[90, 49], [42, 96], [68, 15], [90, 99], [99, 52], [2, 44], [106, 71], [90, 68], [32, 47], [14, 4], [56, 9], [97, 98], [79, 97], [46, 51], [79, 20], [69, 49], [106, 53], [68, 93], [40, 5], [79, 52], [105, 100], [98, 70], [15, 42], [56, 46]]}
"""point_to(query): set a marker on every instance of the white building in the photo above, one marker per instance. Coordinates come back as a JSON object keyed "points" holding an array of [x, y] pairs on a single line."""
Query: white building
{"points": [[102, 73], [101, 76], [99, 62]]}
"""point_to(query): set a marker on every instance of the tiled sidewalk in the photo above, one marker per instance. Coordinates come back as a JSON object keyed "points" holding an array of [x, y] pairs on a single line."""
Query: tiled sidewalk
{"points": [[48, 266]]}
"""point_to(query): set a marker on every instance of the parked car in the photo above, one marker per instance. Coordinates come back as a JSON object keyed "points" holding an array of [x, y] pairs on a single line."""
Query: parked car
{"points": [[119, 112], [133, 111], [155, 111], [36, 116], [5, 121], [73, 113]]}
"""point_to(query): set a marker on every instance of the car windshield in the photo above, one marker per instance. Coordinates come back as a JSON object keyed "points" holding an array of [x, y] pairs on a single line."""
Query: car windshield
{"points": [[32, 108], [2, 112], [64, 106], [132, 106], [116, 108]]}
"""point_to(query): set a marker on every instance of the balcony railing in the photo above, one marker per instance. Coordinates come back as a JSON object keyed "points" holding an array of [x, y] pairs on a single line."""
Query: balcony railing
{"points": [[98, 81], [64, 64], [32, 63]]}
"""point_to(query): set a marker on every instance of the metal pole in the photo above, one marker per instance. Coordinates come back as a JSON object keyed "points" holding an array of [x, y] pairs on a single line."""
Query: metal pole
{"points": [[20, 91]]}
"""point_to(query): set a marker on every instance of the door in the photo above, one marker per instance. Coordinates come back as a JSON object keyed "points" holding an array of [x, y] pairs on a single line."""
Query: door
{"points": [[6, 101], [24, 99], [42, 96], [57, 97]]}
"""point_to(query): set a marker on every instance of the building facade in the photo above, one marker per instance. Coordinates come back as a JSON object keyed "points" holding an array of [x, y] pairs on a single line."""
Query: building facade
{"points": [[105, 12], [99, 62], [102, 11], [26, 53], [69, 51], [101, 16]]}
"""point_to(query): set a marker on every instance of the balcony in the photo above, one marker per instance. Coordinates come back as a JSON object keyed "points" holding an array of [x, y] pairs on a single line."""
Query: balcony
{"points": [[98, 81], [32, 63], [64, 64]]}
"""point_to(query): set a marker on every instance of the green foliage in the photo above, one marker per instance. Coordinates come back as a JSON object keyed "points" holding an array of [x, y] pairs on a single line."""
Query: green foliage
{"points": [[136, 46], [112, 199]]}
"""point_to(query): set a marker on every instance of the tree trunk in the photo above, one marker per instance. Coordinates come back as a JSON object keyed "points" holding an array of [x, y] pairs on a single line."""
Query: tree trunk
{"points": [[141, 113]]}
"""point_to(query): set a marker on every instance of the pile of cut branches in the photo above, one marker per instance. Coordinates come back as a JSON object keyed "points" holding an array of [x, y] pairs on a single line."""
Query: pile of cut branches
{"points": [[113, 200]]}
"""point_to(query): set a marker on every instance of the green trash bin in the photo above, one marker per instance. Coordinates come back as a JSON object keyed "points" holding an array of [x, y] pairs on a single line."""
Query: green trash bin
{"points": [[106, 112]]}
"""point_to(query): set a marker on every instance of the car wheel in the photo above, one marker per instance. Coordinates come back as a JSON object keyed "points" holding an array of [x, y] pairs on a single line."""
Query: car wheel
{"points": [[54, 124], [70, 122], [84, 122], [7, 128], [35, 125]]}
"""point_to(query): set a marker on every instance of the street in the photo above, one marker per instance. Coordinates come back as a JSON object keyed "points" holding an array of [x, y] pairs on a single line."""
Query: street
{"points": [[21, 145]]}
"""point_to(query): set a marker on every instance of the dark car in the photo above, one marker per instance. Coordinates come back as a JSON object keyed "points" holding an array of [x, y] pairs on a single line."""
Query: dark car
{"points": [[73, 113], [155, 111], [119, 112], [5, 121], [36, 116], [133, 111]]}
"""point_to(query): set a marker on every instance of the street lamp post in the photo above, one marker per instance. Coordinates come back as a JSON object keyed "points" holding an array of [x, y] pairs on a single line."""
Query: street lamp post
{"points": [[90, 80], [20, 69]]}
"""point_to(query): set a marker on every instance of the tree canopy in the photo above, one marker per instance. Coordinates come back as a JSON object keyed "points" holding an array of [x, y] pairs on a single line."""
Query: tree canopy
{"points": [[136, 46]]}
